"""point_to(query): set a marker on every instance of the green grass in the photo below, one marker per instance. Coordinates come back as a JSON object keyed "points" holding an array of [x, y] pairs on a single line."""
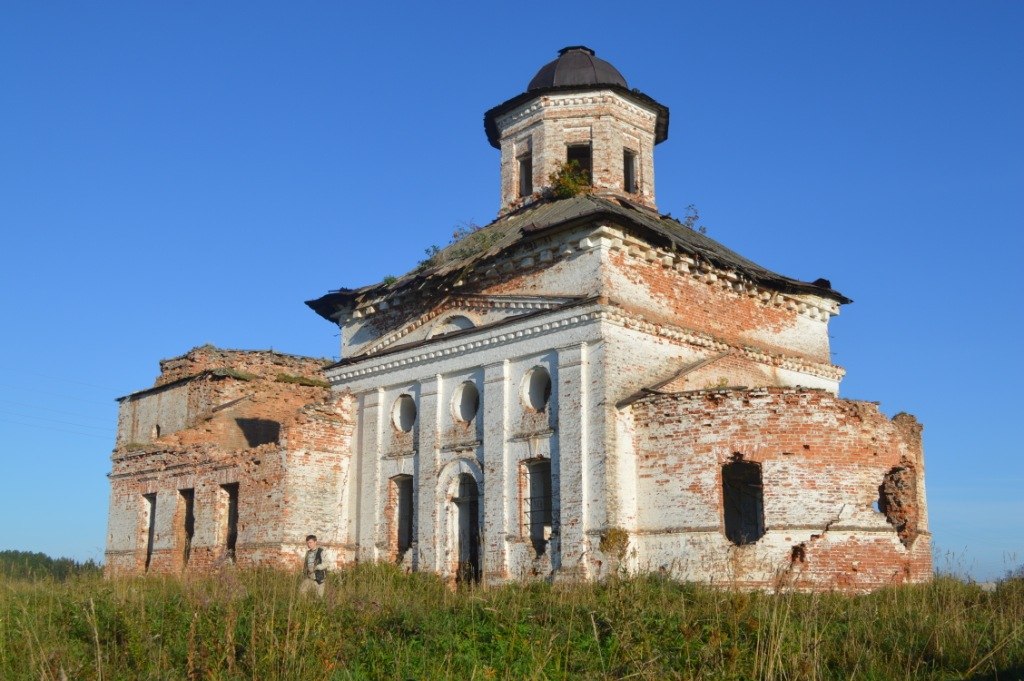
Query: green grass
{"points": [[378, 623], [302, 380]]}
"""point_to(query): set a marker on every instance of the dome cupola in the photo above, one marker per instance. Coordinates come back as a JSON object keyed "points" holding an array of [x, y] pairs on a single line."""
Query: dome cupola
{"points": [[576, 66], [577, 108]]}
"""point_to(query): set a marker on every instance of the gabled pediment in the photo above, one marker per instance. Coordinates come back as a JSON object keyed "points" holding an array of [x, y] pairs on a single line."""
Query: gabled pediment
{"points": [[460, 312]]}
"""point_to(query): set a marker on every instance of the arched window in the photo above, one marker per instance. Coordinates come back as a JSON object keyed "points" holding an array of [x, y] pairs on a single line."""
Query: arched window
{"points": [[467, 504], [743, 501]]}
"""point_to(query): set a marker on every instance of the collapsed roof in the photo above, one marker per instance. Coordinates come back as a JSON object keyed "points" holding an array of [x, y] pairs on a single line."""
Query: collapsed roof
{"points": [[456, 260]]}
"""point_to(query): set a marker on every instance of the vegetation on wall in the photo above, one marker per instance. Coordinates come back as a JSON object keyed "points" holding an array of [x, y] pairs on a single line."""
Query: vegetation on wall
{"points": [[468, 239], [302, 380], [235, 373], [568, 181]]}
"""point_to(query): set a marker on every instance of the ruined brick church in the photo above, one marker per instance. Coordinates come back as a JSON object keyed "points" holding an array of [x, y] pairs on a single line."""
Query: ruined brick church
{"points": [[581, 387]]}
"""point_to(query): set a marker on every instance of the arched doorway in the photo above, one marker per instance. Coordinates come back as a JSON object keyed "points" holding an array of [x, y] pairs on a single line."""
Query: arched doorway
{"points": [[467, 517]]}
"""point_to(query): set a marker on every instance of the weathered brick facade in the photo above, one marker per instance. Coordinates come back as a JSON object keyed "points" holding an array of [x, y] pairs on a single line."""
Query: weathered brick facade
{"points": [[241, 450], [824, 463], [581, 387]]}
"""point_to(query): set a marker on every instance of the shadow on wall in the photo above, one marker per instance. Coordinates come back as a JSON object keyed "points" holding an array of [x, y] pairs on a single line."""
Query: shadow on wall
{"points": [[259, 431]]}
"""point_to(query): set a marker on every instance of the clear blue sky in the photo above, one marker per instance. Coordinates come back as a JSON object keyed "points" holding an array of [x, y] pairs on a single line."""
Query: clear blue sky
{"points": [[173, 174]]}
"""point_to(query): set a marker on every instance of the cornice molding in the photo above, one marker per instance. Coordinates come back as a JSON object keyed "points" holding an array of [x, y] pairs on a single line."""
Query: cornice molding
{"points": [[580, 99], [598, 312], [541, 253]]}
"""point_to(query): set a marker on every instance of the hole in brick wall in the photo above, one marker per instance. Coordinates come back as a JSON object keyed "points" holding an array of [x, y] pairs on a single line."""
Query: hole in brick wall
{"points": [[403, 414], [149, 521], [229, 494], [897, 499], [259, 431], [466, 402], [188, 522], [403, 514], [537, 389], [743, 502]]}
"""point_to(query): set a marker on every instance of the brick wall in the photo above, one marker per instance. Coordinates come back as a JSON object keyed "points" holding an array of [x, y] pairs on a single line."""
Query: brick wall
{"points": [[823, 462], [263, 363], [544, 127], [664, 294], [284, 445]]}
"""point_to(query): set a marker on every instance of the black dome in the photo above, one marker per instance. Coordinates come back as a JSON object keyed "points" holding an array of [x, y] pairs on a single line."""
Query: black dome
{"points": [[576, 65]]}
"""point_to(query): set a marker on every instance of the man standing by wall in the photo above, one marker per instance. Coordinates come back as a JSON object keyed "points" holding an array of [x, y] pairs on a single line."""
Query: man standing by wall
{"points": [[314, 571]]}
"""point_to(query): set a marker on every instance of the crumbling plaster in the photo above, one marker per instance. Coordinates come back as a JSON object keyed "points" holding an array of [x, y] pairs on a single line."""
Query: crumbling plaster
{"points": [[630, 358]]}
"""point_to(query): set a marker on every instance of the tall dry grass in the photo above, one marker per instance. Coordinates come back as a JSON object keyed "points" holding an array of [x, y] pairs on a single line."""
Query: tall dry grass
{"points": [[377, 623]]}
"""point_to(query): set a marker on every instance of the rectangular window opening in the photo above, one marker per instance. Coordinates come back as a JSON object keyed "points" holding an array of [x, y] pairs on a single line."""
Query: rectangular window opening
{"points": [[629, 171], [580, 154], [188, 522], [403, 514], [525, 175], [537, 508], [149, 509], [743, 500], [230, 519]]}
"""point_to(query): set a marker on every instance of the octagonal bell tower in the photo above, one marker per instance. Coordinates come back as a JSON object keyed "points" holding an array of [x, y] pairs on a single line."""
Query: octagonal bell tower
{"points": [[577, 108]]}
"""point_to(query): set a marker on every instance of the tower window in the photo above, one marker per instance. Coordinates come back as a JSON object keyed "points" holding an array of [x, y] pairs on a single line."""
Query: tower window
{"points": [[580, 154], [629, 171], [526, 175]]}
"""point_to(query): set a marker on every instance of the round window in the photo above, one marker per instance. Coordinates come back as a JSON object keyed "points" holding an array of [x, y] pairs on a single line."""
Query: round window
{"points": [[537, 388], [465, 402], [403, 414]]}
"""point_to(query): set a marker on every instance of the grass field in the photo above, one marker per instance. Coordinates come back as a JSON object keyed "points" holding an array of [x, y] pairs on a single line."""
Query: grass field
{"points": [[377, 623]]}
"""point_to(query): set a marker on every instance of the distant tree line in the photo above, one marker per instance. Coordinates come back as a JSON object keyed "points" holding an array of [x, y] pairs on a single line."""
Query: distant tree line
{"points": [[28, 565]]}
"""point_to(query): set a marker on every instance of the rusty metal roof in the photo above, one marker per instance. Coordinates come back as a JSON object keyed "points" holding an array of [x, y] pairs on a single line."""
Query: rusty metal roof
{"points": [[454, 261], [576, 65]]}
